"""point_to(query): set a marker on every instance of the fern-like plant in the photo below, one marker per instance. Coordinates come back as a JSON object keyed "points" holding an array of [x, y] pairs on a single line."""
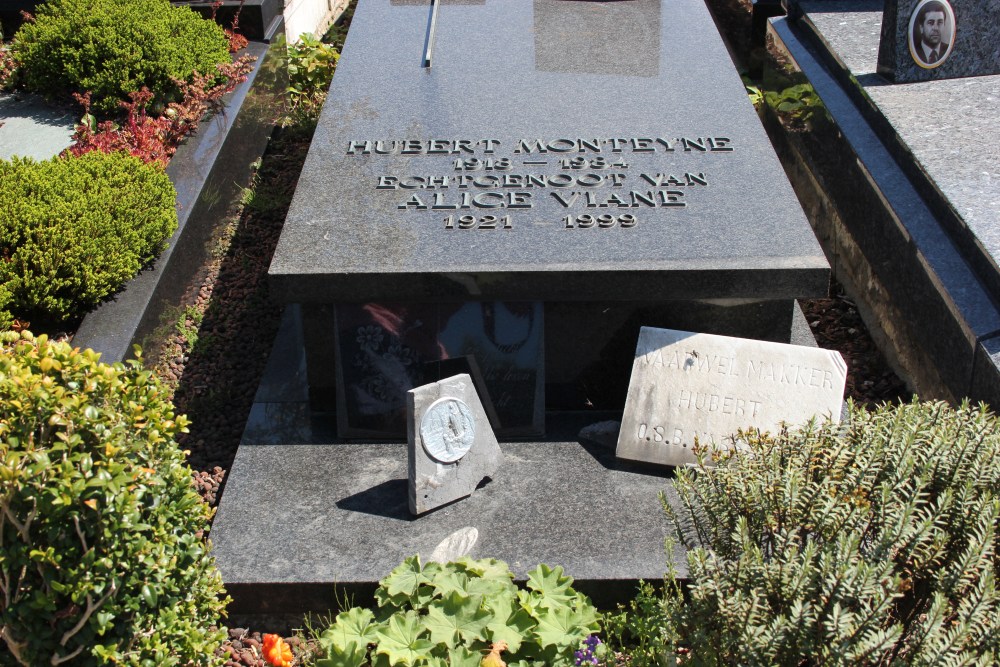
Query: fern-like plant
{"points": [[873, 543]]}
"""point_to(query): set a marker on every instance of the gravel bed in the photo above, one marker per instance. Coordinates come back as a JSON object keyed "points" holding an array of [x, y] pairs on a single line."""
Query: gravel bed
{"points": [[243, 648]]}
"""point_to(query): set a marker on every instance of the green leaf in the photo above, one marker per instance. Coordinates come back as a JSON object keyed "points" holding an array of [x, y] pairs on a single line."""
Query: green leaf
{"points": [[400, 640], [562, 626], [512, 629], [461, 656], [148, 595], [487, 568], [350, 654], [457, 618], [551, 583], [405, 578], [449, 581], [354, 626]]}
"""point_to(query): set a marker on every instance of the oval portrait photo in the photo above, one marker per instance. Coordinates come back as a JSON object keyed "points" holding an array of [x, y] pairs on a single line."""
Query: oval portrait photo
{"points": [[932, 33]]}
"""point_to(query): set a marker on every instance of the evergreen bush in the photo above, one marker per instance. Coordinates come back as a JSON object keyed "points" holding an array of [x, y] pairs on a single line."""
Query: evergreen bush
{"points": [[113, 47], [74, 230], [102, 559], [868, 544]]}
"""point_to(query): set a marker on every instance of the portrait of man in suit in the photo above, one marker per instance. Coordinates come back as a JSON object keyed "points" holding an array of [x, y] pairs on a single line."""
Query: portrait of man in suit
{"points": [[932, 32]]}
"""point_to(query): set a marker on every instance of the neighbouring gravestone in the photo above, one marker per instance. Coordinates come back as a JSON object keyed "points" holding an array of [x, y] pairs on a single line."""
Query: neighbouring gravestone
{"points": [[451, 445], [597, 166], [691, 386], [939, 39]]}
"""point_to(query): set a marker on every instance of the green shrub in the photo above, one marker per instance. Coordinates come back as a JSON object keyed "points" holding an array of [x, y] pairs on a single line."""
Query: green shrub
{"points": [[311, 64], [74, 230], [113, 47], [440, 615], [868, 544], [102, 558], [6, 318]]}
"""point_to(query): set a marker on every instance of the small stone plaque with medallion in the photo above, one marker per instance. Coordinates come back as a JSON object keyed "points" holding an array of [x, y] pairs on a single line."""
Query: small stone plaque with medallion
{"points": [[694, 388], [451, 445]]}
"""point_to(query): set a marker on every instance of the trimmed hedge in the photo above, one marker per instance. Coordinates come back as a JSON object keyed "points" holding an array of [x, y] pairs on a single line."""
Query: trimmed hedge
{"points": [[102, 559], [113, 47], [74, 230]]}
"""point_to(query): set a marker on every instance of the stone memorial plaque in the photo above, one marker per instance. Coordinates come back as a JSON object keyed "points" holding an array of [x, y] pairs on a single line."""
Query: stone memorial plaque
{"points": [[451, 445], [687, 386], [939, 39], [555, 150], [384, 350], [447, 430]]}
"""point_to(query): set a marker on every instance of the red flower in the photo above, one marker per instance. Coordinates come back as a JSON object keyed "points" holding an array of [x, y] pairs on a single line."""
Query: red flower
{"points": [[277, 652]]}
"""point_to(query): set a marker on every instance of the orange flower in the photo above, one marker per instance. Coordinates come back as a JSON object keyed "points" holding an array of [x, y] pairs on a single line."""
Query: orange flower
{"points": [[277, 652]]}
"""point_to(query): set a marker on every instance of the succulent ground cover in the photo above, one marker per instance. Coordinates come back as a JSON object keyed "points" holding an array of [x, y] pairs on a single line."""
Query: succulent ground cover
{"points": [[867, 543]]}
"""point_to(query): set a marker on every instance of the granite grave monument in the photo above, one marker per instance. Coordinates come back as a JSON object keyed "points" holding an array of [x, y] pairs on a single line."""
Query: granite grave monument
{"points": [[536, 169], [610, 188], [939, 39]]}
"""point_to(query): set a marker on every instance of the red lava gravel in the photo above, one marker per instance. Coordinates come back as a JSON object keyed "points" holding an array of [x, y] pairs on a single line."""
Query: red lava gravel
{"points": [[244, 648], [214, 355]]}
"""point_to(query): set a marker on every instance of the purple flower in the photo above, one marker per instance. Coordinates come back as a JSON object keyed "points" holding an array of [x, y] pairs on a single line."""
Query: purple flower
{"points": [[587, 654]]}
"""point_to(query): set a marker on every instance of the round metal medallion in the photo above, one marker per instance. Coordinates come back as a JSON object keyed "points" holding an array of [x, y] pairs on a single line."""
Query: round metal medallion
{"points": [[447, 430]]}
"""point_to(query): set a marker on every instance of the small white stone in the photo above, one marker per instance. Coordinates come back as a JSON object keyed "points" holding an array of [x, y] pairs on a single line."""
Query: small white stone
{"points": [[455, 546], [603, 433]]}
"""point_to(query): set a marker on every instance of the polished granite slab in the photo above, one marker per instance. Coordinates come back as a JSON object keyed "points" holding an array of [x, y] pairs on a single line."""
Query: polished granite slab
{"points": [[206, 171], [891, 211], [552, 150], [302, 512]]}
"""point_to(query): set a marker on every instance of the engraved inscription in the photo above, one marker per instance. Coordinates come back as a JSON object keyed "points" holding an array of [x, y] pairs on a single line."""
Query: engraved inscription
{"points": [[769, 371], [691, 389], [487, 178], [678, 437], [447, 430], [586, 221], [722, 403], [474, 222]]}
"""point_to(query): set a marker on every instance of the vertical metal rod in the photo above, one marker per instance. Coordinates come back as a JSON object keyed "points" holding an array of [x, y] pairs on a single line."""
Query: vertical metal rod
{"points": [[431, 26]]}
